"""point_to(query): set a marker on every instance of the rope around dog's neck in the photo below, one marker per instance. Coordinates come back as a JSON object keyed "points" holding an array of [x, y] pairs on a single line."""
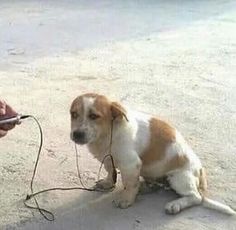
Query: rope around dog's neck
{"points": [[45, 213]]}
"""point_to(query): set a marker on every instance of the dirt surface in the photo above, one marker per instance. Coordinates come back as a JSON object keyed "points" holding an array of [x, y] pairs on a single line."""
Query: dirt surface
{"points": [[175, 59]]}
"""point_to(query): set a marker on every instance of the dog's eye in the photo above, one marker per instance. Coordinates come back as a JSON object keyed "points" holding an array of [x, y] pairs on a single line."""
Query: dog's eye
{"points": [[93, 116], [74, 115]]}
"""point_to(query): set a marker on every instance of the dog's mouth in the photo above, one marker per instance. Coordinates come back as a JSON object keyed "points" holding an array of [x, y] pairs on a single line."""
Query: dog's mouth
{"points": [[80, 142]]}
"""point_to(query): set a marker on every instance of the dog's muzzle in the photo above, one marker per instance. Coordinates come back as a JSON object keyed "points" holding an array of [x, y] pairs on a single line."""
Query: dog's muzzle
{"points": [[79, 137]]}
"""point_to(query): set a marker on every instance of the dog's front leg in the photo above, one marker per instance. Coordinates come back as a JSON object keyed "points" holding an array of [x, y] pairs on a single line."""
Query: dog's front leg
{"points": [[109, 182], [130, 179]]}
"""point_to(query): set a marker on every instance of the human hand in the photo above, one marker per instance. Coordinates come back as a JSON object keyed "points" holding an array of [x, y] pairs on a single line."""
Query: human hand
{"points": [[5, 112]]}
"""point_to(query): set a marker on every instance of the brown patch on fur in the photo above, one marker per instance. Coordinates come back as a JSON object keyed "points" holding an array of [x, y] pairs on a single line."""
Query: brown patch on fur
{"points": [[202, 188], [176, 162], [162, 134], [77, 105], [118, 111], [101, 104], [93, 95]]}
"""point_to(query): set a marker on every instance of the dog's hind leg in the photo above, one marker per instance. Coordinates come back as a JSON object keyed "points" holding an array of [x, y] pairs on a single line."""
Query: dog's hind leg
{"points": [[186, 185]]}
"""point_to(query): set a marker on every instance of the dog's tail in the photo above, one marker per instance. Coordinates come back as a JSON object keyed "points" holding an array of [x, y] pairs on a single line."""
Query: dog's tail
{"points": [[209, 203], [212, 204]]}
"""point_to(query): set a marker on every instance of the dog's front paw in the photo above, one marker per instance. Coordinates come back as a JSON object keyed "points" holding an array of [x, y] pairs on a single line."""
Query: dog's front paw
{"points": [[104, 184], [122, 203], [123, 200], [173, 207]]}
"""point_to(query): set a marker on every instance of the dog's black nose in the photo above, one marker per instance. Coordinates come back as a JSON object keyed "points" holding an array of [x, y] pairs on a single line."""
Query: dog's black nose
{"points": [[78, 135]]}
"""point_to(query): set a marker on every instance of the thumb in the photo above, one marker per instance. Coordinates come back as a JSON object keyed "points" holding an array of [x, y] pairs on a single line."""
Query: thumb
{"points": [[2, 133], [2, 108]]}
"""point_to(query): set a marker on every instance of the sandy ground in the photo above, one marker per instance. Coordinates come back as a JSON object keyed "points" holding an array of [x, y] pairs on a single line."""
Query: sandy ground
{"points": [[171, 58]]}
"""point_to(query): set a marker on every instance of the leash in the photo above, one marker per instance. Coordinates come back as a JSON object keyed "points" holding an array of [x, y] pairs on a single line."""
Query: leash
{"points": [[48, 215]]}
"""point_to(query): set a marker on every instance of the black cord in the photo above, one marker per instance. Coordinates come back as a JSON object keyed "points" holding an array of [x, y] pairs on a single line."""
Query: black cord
{"points": [[114, 173], [45, 213]]}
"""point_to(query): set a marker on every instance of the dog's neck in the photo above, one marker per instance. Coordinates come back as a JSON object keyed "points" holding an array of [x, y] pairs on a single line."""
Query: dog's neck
{"points": [[100, 147]]}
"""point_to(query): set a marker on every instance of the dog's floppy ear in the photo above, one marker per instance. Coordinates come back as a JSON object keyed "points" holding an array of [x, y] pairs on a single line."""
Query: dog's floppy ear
{"points": [[118, 111]]}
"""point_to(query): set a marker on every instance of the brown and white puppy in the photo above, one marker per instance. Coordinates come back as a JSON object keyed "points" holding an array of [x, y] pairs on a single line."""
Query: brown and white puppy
{"points": [[142, 145]]}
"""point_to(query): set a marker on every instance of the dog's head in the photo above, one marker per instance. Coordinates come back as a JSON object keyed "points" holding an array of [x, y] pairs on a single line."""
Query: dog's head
{"points": [[91, 117]]}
